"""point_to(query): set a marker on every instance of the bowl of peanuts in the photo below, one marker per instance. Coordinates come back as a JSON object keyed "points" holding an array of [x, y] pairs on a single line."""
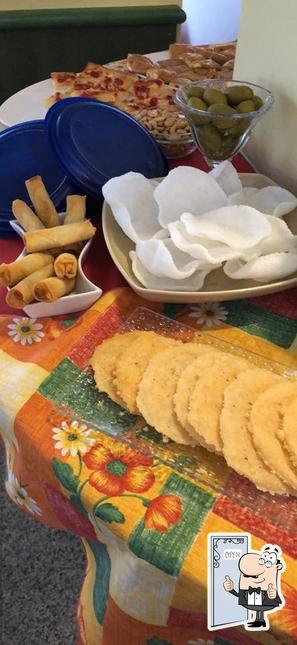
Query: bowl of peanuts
{"points": [[170, 129]]}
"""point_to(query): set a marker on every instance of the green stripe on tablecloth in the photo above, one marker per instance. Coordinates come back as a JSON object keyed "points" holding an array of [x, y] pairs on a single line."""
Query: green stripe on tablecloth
{"points": [[279, 330], [101, 585], [68, 386], [167, 551]]}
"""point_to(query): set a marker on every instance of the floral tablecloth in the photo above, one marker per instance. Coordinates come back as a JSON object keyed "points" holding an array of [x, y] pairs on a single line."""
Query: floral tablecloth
{"points": [[143, 524]]}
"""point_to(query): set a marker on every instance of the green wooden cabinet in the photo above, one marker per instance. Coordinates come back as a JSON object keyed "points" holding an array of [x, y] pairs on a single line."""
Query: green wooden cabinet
{"points": [[35, 42]]}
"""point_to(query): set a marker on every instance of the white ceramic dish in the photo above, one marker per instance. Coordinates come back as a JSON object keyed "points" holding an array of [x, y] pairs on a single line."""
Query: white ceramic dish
{"points": [[28, 103], [217, 286], [84, 295]]}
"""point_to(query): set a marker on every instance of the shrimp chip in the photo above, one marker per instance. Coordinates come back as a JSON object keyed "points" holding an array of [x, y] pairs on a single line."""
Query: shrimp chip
{"points": [[265, 268], [131, 199], [187, 189], [227, 178], [204, 250], [240, 227], [163, 259], [272, 200], [150, 281]]}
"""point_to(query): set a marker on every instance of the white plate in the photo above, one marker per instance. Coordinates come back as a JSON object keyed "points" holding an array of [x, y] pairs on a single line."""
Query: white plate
{"points": [[28, 104], [217, 286], [85, 294]]}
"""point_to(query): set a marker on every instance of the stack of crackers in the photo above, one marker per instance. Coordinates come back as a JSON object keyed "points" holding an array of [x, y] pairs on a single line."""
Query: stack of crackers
{"points": [[195, 394]]}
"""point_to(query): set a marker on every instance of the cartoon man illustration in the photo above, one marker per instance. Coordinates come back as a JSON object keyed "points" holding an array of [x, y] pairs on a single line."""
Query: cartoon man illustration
{"points": [[259, 584]]}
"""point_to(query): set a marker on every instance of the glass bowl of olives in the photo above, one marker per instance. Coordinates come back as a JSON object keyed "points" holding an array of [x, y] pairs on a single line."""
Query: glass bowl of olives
{"points": [[222, 114]]}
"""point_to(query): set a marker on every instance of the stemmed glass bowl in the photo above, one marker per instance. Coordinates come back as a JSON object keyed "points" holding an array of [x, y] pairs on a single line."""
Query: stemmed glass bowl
{"points": [[220, 135]]}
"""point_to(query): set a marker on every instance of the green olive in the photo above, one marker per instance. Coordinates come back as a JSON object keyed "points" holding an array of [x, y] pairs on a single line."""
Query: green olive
{"points": [[221, 108], [257, 102], [238, 93], [239, 127], [209, 138], [245, 106], [211, 95], [198, 104], [195, 90]]}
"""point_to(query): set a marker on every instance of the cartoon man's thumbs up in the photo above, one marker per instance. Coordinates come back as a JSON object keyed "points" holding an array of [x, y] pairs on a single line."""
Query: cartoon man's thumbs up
{"points": [[271, 593], [228, 584]]}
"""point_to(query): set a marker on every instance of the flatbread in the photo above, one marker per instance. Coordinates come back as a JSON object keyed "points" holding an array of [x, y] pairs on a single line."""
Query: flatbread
{"points": [[104, 359], [289, 434], [266, 422], [185, 386], [238, 447], [157, 388], [131, 363], [206, 399]]}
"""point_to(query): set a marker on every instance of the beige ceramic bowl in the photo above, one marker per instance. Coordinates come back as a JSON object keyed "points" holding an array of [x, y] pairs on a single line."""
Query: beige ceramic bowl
{"points": [[217, 286]]}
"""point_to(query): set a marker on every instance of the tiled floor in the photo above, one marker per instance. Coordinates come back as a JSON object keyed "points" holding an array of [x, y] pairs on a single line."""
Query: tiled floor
{"points": [[41, 571]]}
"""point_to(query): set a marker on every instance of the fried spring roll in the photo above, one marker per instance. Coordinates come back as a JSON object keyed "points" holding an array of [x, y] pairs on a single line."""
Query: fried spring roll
{"points": [[42, 202], [51, 289], [22, 294], [75, 209], [25, 216], [65, 265], [16, 271], [59, 236]]}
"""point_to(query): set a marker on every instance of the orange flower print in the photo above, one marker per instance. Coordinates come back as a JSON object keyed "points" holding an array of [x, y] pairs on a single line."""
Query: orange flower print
{"points": [[118, 469], [286, 619], [163, 512]]}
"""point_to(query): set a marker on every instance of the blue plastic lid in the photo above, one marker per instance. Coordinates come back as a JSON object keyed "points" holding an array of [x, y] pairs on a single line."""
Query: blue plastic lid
{"points": [[25, 152], [94, 142]]}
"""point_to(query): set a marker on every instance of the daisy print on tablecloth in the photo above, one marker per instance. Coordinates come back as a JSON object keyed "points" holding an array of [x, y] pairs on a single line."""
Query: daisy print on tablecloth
{"points": [[208, 314], [25, 331], [19, 495], [74, 438]]}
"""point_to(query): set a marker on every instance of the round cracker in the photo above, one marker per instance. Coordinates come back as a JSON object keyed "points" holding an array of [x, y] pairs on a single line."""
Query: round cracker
{"points": [[131, 363], [206, 399], [290, 431], [238, 447], [185, 386], [104, 359], [157, 388], [266, 422]]}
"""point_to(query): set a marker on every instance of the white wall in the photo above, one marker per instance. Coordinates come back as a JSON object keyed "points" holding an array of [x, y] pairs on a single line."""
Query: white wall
{"points": [[210, 21], [266, 55]]}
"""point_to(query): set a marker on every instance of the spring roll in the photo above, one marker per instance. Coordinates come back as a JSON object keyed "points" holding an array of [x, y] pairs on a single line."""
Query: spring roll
{"points": [[22, 294], [65, 265], [16, 271], [75, 209], [42, 202], [25, 216], [59, 236], [51, 289]]}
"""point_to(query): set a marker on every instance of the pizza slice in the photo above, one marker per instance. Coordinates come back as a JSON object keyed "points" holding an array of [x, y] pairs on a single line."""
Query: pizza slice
{"points": [[62, 81]]}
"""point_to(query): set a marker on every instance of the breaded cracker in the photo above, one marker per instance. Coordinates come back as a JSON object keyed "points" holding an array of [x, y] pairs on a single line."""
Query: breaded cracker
{"points": [[131, 363], [266, 422], [238, 447], [157, 388], [206, 400], [103, 362], [289, 434], [186, 384]]}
